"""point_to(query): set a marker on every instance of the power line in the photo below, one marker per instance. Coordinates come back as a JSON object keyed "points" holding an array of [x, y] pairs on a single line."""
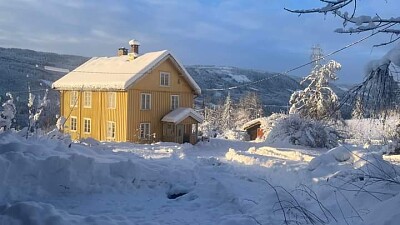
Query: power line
{"points": [[237, 86], [23, 92], [301, 66]]}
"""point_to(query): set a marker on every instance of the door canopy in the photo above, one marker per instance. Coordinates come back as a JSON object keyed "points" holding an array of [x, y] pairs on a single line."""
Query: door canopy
{"points": [[178, 115]]}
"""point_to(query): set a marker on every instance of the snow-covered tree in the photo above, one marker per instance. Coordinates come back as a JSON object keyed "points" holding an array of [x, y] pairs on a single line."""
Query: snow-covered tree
{"points": [[317, 101], [227, 119], [358, 109], [379, 92], [8, 113], [36, 111], [353, 23], [248, 108], [211, 123]]}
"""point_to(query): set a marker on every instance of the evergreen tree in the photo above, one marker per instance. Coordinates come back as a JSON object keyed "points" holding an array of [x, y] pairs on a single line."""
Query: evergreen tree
{"points": [[227, 120]]}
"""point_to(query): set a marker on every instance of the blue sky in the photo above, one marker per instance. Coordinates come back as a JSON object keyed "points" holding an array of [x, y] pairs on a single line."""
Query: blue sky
{"points": [[254, 34]]}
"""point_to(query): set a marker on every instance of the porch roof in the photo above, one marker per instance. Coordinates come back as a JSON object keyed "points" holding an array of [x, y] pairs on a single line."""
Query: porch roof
{"points": [[179, 114]]}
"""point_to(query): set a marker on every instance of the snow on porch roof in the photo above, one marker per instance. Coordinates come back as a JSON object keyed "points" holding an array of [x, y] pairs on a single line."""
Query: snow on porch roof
{"points": [[179, 114], [117, 73]]}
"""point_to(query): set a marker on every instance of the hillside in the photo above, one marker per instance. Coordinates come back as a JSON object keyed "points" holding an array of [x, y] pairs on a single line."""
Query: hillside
{"points": [[274, 91], [20, 67]]}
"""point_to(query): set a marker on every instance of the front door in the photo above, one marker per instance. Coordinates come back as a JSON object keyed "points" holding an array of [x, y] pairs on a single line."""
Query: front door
{"points": [[179, 133]]}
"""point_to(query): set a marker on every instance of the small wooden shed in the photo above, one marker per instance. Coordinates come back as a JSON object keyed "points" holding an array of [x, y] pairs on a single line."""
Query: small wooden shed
{"points": [[255, 128]]}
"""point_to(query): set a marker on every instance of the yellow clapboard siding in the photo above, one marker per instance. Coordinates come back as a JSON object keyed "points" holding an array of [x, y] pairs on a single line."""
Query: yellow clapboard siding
{"points": [[98, 113], [127, 114], [160, 106], [117, 115]]}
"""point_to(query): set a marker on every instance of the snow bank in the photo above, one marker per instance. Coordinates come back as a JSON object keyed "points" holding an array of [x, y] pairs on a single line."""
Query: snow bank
{"points": [[30, 212], [233, 155], [267, 157], [41, 167], [34, 213], [332, 158], [386, 213]]}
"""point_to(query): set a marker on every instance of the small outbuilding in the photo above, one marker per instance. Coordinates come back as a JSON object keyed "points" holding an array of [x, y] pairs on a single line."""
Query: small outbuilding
{"points": [[255, 128]]}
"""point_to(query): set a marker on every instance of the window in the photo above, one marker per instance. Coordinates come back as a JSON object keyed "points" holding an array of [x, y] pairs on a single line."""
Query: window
{"points": [[164, 79], [145, 101], [145, 131], [194, 129], [174, 101], [111, 100], [87, 99], [110, 129], [73, 99], [86, 125], [73, 123]]}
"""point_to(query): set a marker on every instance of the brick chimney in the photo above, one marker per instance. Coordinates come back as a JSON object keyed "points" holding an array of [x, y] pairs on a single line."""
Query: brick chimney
{"points": [[122, 51], [134, 47]]}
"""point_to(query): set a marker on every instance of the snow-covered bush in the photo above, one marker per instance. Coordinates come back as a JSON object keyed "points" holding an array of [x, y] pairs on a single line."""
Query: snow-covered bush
{"points": [[296, 130], [8, 113], [235, 135], [392, 139]]}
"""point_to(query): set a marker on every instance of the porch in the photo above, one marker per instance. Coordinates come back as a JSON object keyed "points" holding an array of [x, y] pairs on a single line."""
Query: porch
{"points": [[181, 126]]}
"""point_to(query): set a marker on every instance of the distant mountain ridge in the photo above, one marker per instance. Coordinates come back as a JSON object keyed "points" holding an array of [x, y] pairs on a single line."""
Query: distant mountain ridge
{"points": [[274, 90], [20, 67]]}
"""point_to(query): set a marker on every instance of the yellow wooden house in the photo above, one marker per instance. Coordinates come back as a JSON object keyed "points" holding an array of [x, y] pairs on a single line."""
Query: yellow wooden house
{"points": [[130, 97]]}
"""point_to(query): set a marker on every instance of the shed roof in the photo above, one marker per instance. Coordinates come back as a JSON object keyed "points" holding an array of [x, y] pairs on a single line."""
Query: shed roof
{"points": [[117, 73], [179, 114], [259, 121]]}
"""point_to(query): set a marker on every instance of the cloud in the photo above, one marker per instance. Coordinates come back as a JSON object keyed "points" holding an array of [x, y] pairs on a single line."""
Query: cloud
{"points": [[251, 34]]}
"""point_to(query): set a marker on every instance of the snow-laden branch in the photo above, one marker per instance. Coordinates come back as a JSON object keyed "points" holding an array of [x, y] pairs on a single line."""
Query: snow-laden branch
{"points": [[361, 23]]}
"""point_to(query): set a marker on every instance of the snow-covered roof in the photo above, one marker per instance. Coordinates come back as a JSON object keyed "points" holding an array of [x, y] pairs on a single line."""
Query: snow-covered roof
{"points": [[262, 121], [179, 114], [117, 73]]}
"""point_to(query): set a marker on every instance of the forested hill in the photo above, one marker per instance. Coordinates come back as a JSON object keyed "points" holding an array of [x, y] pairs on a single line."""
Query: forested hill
{"points": [[20, 67], [274, 90]]}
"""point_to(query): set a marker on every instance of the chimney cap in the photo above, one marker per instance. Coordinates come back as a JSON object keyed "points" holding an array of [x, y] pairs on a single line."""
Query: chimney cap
{"points": [[134, 42]]}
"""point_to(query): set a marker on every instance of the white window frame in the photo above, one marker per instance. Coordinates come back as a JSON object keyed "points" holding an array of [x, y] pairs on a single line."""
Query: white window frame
{"points": [[145, 101], [165, 79], [73, 99], [87, 99], [111, 130], [144, 129], [111, 100], [174, 103], [73, 126], [87, 125], [194, 129]]}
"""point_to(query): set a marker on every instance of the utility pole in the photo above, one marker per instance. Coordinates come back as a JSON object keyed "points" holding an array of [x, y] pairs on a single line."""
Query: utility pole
{"points": [[317, 56]]}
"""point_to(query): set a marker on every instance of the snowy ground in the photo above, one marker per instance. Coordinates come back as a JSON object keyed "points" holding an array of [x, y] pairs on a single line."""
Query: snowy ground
{"points": [[44, 181]]}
